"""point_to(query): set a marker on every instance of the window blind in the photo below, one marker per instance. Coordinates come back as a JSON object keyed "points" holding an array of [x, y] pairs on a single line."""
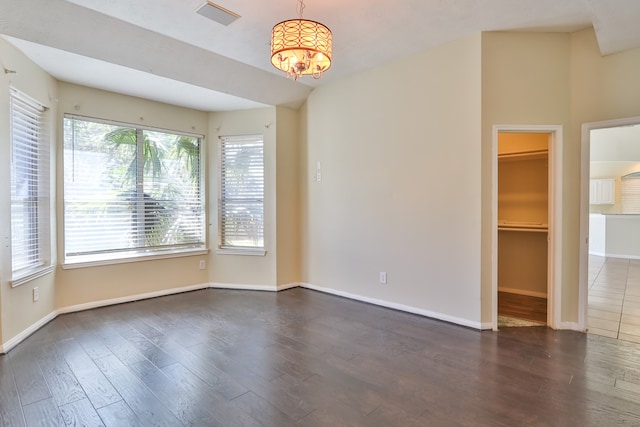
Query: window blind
{"points": [[241, 195], [30, 186], [130, 191], [630, 193]]}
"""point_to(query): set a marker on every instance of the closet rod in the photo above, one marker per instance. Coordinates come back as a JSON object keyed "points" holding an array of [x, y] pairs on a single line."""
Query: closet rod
{"points": [[527, 229]]}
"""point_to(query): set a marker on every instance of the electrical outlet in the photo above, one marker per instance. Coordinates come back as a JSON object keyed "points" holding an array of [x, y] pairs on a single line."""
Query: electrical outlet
{"points": [[203, 264], [383, 277], [36, 294]]}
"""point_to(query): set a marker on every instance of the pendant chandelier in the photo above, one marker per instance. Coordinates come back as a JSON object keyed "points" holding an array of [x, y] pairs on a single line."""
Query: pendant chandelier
{"points": [[301, 47]]}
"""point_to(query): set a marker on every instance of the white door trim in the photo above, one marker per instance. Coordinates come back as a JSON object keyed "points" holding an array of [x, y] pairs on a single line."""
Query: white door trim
{"points": [[583, 301], [554, 268]]}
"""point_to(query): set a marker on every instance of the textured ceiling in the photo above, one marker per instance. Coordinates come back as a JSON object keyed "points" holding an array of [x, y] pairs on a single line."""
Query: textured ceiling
{"points": [[163, 50]]}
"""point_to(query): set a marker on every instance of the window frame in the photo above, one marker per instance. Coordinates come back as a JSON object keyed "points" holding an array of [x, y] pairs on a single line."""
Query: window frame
{"points": [[226, 249], [128, 255], [25, 109], [630, 193]]}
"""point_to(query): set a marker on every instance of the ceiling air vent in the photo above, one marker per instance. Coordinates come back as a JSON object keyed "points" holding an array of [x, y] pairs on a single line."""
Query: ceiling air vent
{"points": [[217, 13]]}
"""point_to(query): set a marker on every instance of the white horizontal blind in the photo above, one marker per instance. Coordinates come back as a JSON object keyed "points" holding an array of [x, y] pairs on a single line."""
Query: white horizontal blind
{"points": [[30, 185], [130, 191], [630, 193], [241, 196]]}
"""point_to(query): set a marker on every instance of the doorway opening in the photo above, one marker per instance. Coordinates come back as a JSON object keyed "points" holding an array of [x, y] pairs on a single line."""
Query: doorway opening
{"points": [[527, 223], [523, 224], [610, 229]]}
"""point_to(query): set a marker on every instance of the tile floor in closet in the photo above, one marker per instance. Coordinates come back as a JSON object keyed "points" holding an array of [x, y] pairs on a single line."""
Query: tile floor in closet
{"points": [[614, 298]]}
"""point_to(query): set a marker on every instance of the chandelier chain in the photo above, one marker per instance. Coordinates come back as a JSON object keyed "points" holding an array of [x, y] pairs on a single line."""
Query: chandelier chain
{"points": [[300, 8]]}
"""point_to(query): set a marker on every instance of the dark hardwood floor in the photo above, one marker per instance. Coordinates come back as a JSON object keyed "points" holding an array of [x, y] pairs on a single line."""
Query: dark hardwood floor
{"points": [[299, 357], [522, 307]]}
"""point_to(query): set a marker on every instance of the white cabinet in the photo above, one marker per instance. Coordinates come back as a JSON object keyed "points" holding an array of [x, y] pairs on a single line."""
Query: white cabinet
{"points": [[602, 191]]}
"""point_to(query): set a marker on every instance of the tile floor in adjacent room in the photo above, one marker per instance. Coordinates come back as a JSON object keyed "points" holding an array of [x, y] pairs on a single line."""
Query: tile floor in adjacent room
{"points": [[614, 298]]}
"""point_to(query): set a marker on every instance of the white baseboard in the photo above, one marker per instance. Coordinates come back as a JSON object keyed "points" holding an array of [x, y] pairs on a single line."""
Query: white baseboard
{"points": [[238, 286], [245, 287], [288, 286], [4, 348], [382, 303], [129, 298], [623, 256], [396, 306], [27, 332], [522, 292], [571, 326], [606, 255], [486, 326], [273, 288]]}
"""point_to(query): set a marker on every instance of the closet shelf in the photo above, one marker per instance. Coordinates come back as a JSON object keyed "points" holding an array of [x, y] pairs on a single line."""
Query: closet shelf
{"points": [[522, 226], [524, 155]]}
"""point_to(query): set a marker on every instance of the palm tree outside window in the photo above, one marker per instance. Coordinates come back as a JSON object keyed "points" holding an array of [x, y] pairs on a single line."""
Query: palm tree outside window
{"points": [[130, 191]]}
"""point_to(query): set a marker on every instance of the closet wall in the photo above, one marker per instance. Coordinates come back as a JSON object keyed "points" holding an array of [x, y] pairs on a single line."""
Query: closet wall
{"points": [[523, 213]]}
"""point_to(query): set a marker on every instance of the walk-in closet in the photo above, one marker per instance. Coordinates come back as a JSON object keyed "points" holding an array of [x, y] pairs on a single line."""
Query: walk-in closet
{"points": [[523, 218]]}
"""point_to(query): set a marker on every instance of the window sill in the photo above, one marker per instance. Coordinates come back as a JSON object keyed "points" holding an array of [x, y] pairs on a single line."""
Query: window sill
{"points": [[32, 276], [242, 251], [95, 262]]}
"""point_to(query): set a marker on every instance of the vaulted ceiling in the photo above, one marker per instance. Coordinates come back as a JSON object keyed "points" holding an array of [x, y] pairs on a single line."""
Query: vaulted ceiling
{"points": [[163, 50]]}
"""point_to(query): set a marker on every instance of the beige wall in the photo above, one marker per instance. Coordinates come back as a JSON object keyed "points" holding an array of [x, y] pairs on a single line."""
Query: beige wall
{"points": [[553, 79], [525, 81], [244, 269], [281, 263], [602, 88], [17, 309], [288, 197], [89, 284], [400, 149]]}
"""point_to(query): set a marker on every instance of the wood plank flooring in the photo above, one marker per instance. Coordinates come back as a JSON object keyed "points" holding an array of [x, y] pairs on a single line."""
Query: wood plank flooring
{"points": [[522, 307], [303, 358]]}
